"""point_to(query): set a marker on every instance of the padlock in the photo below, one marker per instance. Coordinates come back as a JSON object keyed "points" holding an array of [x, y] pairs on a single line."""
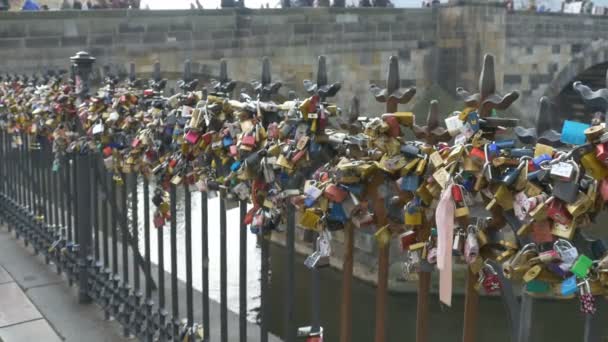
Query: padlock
{"points": [[568, 286], [309, 219], [573, 132], [562, 171], [541, 232], [383, 236], [406, 240], [537, 286], [413, 215], [557, 212], [601, 152], [335, 193], [436, 159], [471, 246], [587, 299], [458, 243], [604, 189], [582, 205], [490, 280], [410, 151], [441, 177], [593, 166], [581, 266], [566, 252], [566, 191], [409, 182], [532, 273], [565, 231]]}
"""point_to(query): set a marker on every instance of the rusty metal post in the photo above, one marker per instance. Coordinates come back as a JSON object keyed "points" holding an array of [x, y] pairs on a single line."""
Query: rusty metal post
{"points": [[392, 96]]}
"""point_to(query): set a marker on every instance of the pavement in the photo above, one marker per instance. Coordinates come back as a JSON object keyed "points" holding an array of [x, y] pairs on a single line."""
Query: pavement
{"points": [[37, 303]]}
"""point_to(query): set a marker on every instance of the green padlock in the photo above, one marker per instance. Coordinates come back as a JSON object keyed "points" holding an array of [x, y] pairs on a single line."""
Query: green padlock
{"points": [[537, 286], [581, 266]]}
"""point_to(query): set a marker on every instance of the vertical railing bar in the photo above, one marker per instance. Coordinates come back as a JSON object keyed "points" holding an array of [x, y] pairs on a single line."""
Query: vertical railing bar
{"points": [[75, 195], [68, 196], [174, 289], [289, 333], [104, 220], [223, 272], [56, 191], [243, 273], [95, 209], [264, 288], [161, 268], [205, 263], [124, 224], [147, 237], [188, 223], [63, 193], [135, 228], [315, 303], [114, 204]]}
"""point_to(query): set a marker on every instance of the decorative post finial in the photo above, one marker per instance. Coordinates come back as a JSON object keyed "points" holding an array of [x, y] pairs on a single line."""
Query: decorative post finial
{"points": [[393, 95], [322, 88], [432, 132]]}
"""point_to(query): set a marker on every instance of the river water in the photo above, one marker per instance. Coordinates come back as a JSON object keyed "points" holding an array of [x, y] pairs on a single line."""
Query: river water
{"points": [[554, 321]]}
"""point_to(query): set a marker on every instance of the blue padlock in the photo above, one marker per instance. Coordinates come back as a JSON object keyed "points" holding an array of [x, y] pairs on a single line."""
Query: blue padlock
{"points": [[410, 182], [493, 150], [521, 152], [507, 143], [355, 189], [313, 148], [473, 121], [309, 201], [568, 286], [336, 213], [538, 160], [573, 132], [235, 166], [469, 184], [227, 141]]}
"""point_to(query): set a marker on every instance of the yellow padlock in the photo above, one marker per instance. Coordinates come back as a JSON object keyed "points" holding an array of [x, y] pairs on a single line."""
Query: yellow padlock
{"points": [[309, 219], [383, 236], [593, 166]]}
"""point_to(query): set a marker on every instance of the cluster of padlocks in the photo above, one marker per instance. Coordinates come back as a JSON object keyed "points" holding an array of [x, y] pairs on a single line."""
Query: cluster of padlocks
{"points": [[449, 196]]}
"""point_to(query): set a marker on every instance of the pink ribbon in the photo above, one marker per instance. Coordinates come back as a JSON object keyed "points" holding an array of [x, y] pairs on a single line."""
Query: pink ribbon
{"points": [[444, 219]]}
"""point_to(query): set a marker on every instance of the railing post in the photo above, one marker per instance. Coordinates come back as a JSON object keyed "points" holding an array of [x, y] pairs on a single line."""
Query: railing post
{"points": [[290, 330], [84, 225]]}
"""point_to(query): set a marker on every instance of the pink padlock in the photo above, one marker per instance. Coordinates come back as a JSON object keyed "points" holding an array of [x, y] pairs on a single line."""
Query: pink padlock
{"points": [[604, 189]]}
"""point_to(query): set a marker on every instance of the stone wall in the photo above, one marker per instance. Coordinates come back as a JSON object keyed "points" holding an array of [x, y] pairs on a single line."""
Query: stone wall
{"points": [[357, 43]]}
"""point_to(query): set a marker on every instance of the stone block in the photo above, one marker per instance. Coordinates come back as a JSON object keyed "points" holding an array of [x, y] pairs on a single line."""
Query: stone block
{"points": [[130, 38], [223, 34], [157, 27], [41, 42], [74, 41], [303, 28], [11, 43], [103, 39], [154, 38], [180, 36], [131, 28], [181, 26]]}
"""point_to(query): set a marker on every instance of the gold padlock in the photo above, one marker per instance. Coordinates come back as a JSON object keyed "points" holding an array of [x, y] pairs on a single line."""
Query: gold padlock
{"points": [[461, 211], [532, 273], [580, 206], [436, 159], [524, 230], [309, 219], [539, 213], [532, 189], [424, 194], [404, 118], [541, 149], [414, 218], [441, 177], [421, 167], [593, 166], [563, 231], [383, 236]]}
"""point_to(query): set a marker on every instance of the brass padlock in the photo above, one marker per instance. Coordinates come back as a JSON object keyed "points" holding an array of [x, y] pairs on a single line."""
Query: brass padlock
{"points": [[582, 204], [564, 231]]}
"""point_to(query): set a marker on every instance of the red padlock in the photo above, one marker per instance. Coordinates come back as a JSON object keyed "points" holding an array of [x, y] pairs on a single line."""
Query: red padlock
{"points": [[208, 137], [478, 155], [601, 152], [234, 151], [297, 156], [248, 140], [457, 194], [541, 232], [393, 126], [406, 240], [148, 93], [192, 136], [557, 212], [335, 193], [136, 142], [604, 189]]}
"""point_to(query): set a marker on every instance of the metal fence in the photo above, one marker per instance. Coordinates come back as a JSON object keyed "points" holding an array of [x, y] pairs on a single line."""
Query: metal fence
{"points": [[87, 224]]}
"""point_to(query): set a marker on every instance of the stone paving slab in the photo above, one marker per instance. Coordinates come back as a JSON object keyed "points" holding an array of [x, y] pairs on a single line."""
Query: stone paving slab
{"points": [[15, 307], [4, 276], [38, 330]]}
